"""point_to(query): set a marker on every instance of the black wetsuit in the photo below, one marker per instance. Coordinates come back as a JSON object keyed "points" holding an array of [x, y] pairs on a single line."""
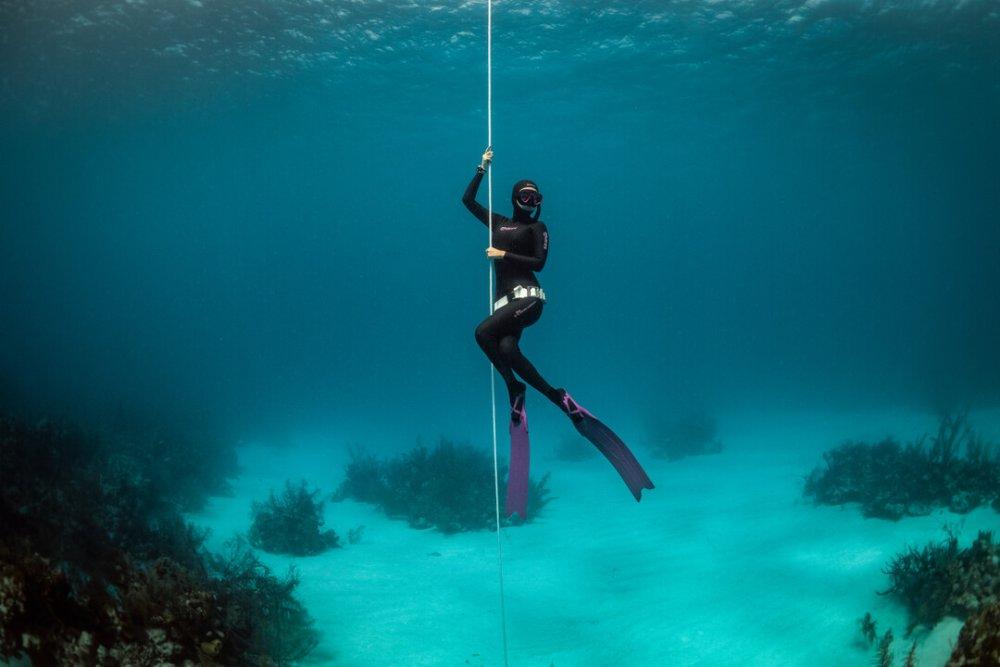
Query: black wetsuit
{"points": [[526, 242]]}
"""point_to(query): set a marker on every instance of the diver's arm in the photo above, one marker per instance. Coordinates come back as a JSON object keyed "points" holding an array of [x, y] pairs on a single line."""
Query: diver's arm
{"points": [[469, 198], [540, 252]]}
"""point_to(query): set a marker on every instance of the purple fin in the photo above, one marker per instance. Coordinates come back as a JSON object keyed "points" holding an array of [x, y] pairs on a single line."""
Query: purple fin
{"points": [[609, 444], [517, 476]]}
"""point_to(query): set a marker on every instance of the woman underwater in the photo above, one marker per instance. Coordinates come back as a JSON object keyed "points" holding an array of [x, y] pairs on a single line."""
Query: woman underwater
{"points": [[520, 247]]}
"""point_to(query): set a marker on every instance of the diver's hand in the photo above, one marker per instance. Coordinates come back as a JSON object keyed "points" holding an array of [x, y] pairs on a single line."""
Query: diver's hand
{"points": [[487, 158], [494, 253]]}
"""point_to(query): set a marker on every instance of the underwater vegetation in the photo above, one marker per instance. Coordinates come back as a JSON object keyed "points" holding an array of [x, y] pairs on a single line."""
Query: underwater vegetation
{"points": [[354, 534], [978, 642], [269, 626], [163, 458], [291, 524], [941, 580], [869, 628], [959, 470], [693, 434], [449, 487], [98, 566], [885, 649], [883, 646]]}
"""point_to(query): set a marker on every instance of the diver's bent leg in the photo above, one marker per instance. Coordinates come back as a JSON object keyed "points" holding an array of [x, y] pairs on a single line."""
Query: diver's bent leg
{"points": [[487, 339], [516, 500], [511, 351]]}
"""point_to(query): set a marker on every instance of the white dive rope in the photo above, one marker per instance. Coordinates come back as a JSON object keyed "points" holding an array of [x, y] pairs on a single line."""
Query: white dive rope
{"points": [[493, 391]]}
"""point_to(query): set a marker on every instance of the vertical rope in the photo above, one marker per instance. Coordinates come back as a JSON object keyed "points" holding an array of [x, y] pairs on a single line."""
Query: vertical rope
{"points": [[493, 391]]}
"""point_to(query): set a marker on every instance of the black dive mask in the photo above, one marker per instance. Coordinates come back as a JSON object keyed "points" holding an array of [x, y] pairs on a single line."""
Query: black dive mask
{"points": [[529, 197]]}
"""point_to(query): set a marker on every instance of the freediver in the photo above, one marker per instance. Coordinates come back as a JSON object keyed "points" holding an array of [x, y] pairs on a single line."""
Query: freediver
{"points": [[519, 250]]}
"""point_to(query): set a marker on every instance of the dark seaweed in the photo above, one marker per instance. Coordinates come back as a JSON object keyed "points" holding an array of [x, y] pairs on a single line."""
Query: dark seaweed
{"points": [[291, 524], [959, 470], [268, 625], [885, 650], [691, 435], [869, 629], [940, 579], [450, 487], [184, 467]]}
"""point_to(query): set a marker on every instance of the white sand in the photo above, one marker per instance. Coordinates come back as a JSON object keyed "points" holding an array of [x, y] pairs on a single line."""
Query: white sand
{"points": [[723, 563]]}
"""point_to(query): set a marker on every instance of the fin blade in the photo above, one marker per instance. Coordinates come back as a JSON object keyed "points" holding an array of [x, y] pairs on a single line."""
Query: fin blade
{"points": [[517, 475], [617, 452]]}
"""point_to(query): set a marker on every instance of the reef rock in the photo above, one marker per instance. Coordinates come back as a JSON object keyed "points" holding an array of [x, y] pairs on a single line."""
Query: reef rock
{"points": [[964, 502], [979, 640]]}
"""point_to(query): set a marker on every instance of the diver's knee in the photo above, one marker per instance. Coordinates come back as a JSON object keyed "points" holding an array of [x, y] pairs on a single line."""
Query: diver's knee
{"points": [[508, 346], [482, 335]]}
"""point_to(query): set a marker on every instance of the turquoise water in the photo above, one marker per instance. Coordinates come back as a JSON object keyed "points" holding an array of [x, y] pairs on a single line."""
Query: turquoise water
{"points": [[783, 214]]}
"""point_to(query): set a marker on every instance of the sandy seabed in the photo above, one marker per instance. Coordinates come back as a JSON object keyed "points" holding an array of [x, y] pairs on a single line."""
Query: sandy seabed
{"points": [[724, 563]]}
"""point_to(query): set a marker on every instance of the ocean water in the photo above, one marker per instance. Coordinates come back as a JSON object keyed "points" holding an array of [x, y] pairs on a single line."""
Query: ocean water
{"points": [[782, 214]]}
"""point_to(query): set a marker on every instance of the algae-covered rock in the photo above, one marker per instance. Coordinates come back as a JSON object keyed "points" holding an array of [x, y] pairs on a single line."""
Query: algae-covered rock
{"points": [[98, 567], [942, 579], [979, 641]]}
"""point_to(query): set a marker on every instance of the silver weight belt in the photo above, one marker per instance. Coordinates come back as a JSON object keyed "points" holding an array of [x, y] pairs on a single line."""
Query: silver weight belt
{"points": [[519, 292]]}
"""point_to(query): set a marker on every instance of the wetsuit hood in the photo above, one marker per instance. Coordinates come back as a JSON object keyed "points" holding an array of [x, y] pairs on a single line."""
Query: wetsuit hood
{"points": [[520, 213]]}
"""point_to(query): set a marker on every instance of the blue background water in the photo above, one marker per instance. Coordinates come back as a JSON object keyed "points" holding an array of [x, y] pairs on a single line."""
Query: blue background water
{"points": [[252, 209]]}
